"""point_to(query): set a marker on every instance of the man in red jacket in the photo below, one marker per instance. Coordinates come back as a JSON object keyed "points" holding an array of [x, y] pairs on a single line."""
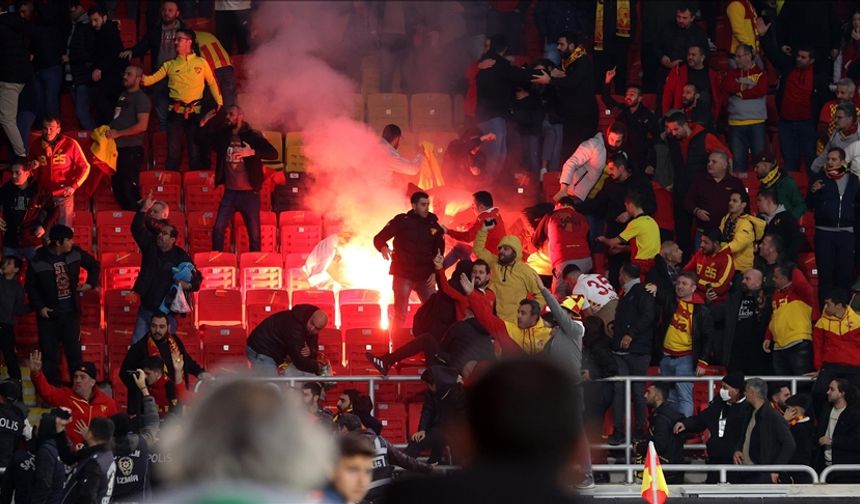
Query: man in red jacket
{"points": [[482, 204], [62, 166], [714, 267], [84, 399], [707, 81]]}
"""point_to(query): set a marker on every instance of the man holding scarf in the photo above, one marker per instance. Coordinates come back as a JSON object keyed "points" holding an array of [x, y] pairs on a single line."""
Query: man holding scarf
{"points": [[614, 22], [574, 84], [159, 342]]}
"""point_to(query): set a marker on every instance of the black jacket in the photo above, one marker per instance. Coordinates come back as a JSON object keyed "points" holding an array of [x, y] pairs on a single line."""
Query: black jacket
{"points": [[151, 41], [438, 405], [776, 444], [785, 64], [82, 51], [669, 446], [465, 341], [496, 86], [50, 472], [156, 275], [610, 201], [785, 225], [25, 209], [416, 242], [805, 441], [727, 314], [49, 34], [703, 330], [674, 41], [387, 456], [108, 45], [282, 336], [597, 356], [91, 477], [576, 92], [635, 316], [721, 449], [643, 130], [15, 63], [41, 284], [11, 430], [665, 282], [18, 480], [253, 165], [138, 353], [554, 19], [845, 442], [831, 209]]}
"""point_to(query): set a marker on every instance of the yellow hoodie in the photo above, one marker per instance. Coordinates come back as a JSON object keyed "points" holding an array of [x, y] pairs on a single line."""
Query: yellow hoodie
{"points": [[748, 230], [511, 282]]}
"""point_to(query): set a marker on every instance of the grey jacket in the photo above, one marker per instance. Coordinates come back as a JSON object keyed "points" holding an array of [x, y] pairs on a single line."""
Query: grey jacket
{"points": [[565, 346]]}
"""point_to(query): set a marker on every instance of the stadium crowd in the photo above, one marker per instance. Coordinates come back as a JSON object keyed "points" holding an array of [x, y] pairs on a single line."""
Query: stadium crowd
{"points": [[712, 233]]}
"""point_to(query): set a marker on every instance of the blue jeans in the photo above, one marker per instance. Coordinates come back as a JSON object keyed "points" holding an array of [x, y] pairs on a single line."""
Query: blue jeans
{"points": [[141, 327], [81, 95], [796, 140], [551, 149], [160, 102], [261, 364], [20, 252], [497, 150], [48, 82], [682, 394], [246, 203], [531, 152], [402, 288], [744, 140], [550, 52]]}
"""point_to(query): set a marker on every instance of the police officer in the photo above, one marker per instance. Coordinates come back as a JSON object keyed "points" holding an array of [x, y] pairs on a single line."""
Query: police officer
{"points": [[12, 416], [385, 459], [94, 471], [724, 418], [132, 440]]}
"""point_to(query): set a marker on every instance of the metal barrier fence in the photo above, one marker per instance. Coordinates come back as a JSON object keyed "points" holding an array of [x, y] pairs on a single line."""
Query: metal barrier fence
{"points": [[838, 468], [723, 469]]}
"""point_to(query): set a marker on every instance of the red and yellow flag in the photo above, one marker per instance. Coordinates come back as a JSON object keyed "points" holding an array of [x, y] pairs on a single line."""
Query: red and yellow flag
{"points": [[654, 488]]}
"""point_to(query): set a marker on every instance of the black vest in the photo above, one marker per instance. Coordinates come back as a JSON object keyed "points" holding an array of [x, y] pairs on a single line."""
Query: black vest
{"points": [[684, 171], [132, 477], [11, 428], [107, 468]]}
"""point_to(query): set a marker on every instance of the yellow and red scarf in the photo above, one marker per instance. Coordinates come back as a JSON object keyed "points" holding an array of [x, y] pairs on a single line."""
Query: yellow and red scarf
{"points": [[622, 22], [575, 55]]}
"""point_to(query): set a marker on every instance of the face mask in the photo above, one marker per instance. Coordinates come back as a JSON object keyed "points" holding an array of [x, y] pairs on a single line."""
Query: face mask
{"points": [[724, 394]]}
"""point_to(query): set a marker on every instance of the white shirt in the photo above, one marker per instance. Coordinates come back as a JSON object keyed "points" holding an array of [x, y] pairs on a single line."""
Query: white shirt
{"points": [[831, 426], [596, 290]]}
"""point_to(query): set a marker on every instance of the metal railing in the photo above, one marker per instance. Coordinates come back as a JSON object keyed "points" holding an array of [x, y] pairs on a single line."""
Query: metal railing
{"points": [[723, 469], [628, 395], [838, 468]]}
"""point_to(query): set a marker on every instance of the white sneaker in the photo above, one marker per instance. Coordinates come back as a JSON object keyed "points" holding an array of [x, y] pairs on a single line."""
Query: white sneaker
{"points": [[586, 483]]}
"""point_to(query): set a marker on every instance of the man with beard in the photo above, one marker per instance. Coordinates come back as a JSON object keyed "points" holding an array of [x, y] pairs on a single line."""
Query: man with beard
{"points": [[705, 80], [130, 120], [745, 317], [746, 86], [289, 336], [642, 125], [27, 212], [574, 84], [708, 198], [239, 150], [714, 266], [741, 231], [106, 65], [512, 279], [693, 107], [835, 343], [311, 394], [158, 343], [689, 147], [417, 238]]}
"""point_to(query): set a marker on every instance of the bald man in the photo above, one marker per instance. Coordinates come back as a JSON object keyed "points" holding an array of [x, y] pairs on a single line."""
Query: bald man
{"points": [[745, 317], [288, 337], [130, 119]]}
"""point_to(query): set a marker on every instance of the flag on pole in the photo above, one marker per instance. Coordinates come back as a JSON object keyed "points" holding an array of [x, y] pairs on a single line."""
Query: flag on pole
{"points": [[654, 488]]}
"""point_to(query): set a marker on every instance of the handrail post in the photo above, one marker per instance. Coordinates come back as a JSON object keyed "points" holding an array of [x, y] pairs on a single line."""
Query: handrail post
{"points": [[723, 476], [371, 382], [628, 449]]}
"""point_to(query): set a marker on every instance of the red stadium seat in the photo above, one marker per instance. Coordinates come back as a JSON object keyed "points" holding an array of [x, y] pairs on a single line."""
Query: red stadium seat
{"points": [[298, 217], [359, 341], [219, 307], [223, 344], [414, 417], [82, 226], [113, 232], [200, 231], [90, 352], [119, 390], [92, 335], [385, 392], [268, 233], [550, 184], [119, 269], [359, 308], [261, 303], [200, 192], [120, 313], [261, 270], [322, 299], [394, 422], [26, 333], [330, 343], [300, 238], [91, 308], [294, 260], [177, 220], [218, 269], [152, 178], [412, 391]]}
